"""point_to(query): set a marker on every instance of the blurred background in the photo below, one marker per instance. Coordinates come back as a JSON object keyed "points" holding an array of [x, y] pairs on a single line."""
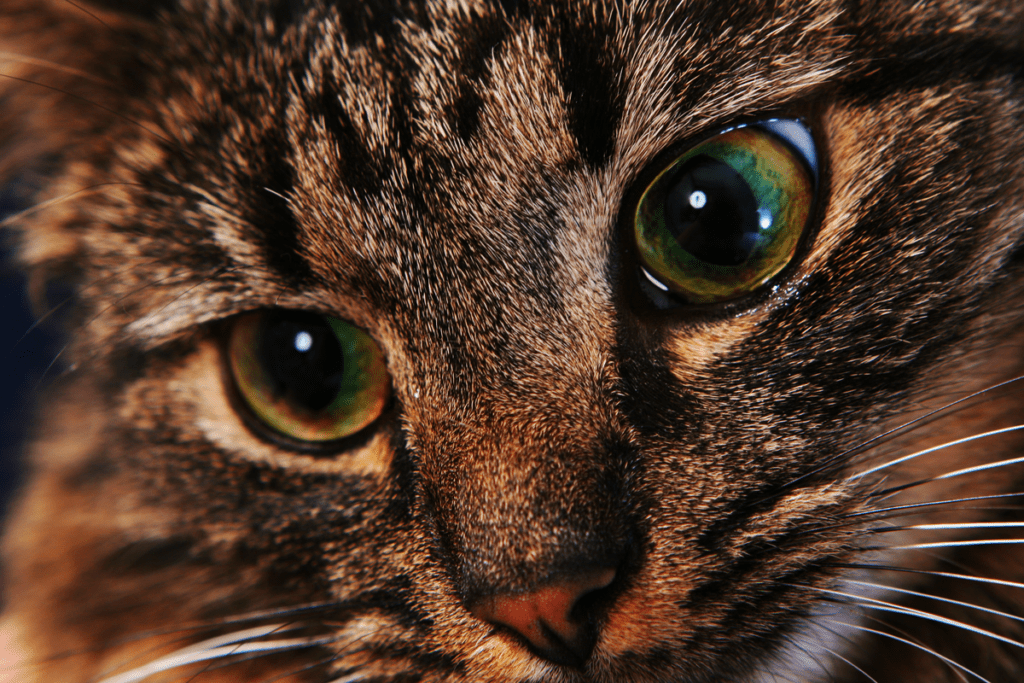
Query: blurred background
{"points": [[25, 354]]}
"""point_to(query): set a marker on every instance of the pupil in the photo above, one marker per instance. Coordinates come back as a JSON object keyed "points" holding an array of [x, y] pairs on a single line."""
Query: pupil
{"points": [[712, 213], [302, 358]]}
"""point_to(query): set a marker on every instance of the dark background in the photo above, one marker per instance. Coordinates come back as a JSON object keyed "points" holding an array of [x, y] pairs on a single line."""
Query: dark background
{"points": [[23, 361]]}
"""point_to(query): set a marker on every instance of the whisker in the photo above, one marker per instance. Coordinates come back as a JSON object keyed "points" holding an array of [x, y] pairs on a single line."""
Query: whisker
{"points": [[935, 503], [923, 648], [14, 217], [349, 678], [979, 468], [931, 572], [849, 663], [237, 636], [951, 525], [222, 270], [348, 650], [926, 451], [950, 601], [41, 319], [905, 510], [86, 11], [895, 432], [98, 106], [886, 606], [210, 278], [46, 370], [176, 660], [35, 61], [958, 544], [813, 657], [823, 624], [909, 636], [207, 625], [84, 288], [950, 475]]}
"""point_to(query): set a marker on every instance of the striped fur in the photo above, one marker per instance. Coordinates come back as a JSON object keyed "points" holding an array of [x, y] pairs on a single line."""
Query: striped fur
{"points": [[455, 177]]}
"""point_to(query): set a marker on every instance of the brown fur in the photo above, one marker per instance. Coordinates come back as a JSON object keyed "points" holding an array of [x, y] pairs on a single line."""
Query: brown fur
{"points": [[455, 178]]}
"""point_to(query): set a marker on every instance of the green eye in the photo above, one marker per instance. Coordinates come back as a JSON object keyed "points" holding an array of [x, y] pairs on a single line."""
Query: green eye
{"points": [[309, 377], [728, 215]]}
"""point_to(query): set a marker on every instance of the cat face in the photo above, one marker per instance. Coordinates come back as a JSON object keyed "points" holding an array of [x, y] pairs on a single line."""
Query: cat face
{"points": [[568, 432]]}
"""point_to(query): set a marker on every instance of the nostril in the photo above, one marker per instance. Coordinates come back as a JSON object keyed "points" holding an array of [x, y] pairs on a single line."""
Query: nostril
{"points": [[547, 617]]}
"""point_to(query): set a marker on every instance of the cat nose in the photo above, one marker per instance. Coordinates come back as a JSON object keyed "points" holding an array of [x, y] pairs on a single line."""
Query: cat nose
{"points": [[550, 618]]}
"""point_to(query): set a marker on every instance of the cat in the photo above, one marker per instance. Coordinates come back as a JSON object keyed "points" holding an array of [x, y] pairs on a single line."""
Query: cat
{"points": [[654, 340]]}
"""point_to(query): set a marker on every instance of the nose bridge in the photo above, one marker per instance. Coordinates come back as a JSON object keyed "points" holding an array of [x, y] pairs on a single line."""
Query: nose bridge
{"points": [[522, 492], [513, 421]]}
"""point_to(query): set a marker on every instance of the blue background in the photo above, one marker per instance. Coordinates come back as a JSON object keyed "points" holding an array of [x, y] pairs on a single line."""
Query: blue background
{"points": [[23, 362]]}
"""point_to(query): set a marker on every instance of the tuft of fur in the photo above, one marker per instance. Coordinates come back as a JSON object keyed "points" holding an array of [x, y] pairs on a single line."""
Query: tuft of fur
{"points": [[455, 178]]}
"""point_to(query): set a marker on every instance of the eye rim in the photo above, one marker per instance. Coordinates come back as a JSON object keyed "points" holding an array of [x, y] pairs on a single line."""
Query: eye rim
{"points": [[646, 301], [267, 434]]}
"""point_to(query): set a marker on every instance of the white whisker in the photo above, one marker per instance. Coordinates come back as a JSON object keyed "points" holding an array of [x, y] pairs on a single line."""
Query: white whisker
{"points": [[814, 657], [952, 525], [351, 678], [958, 544], [210, 643], [926, 451], [979, 468], [923, 648], [849, 663], [934, 503], [950, 601], [906, 427], [237, 637], [886, 606], [947, 575], [179, 659]]}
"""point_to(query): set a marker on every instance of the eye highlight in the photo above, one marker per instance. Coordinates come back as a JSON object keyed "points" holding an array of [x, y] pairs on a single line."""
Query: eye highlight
{"points": [[306, 376], [728, 215]]}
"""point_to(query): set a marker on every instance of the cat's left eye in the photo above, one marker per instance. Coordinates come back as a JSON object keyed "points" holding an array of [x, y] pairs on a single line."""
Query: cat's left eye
{"points": [[729, 214], [312, 378]]}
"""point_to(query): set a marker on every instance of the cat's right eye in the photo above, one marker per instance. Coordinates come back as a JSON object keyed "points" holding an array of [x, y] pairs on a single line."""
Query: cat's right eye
{"points": [[308, 377]]}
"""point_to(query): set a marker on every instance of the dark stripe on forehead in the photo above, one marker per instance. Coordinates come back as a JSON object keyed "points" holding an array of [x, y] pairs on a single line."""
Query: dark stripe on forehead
{"points": [[276, 225], [358, 169], [483, 38], [363, 20], [582, 48]]}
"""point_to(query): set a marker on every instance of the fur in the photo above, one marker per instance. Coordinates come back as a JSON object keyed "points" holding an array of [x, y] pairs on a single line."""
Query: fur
{"points": [[455, 178]]}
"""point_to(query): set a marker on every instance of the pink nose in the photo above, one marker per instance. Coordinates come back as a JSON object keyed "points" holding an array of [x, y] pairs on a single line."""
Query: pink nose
{"points": [[545, 617]]}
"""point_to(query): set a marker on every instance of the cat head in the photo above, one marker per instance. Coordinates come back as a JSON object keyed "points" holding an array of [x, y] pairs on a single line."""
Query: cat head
{"points": [[562, 438]]}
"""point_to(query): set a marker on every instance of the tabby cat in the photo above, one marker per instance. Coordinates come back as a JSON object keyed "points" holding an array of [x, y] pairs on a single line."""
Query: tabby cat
{"points": [[650, 341]]}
